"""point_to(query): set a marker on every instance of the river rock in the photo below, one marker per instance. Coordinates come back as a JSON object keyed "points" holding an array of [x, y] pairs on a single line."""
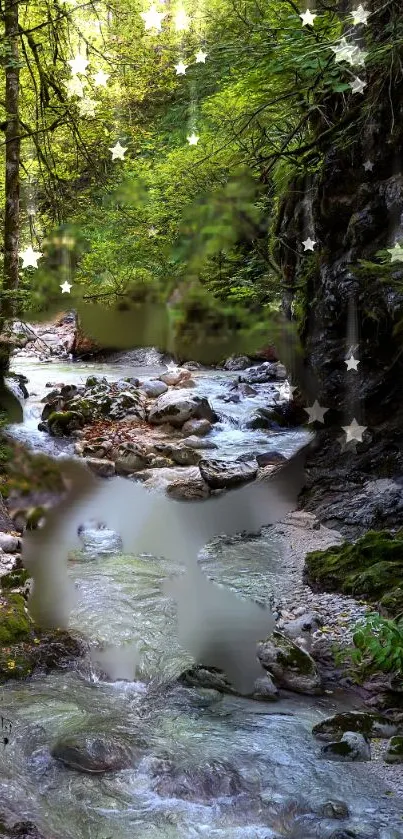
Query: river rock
{"points": [[352, 746], [177, 407], [185, 456], [206, 782], [92, 753], [220, 474], [237, 362], [103, 468], [24, 830], [394, 750], [191, 365], [174, 377], [208, 677], [270, 458], [199, 443], [131, 461], [304, 625], [196, 427], [362, 722], [290, 666], [162, 479], [8, 543], [62, 423], [264, 688], [334, 809], [188, 490], [266, 372], [154, 388]]}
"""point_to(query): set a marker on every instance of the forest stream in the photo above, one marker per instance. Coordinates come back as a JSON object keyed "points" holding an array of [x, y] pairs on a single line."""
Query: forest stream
{"points": [[208, 764]]}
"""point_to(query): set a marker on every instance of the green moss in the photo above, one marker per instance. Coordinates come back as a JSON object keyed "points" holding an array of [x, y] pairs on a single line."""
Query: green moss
{"points": [[14, 579], [291, 656], [394, 752], [371, 567], [15, 624], [61, 422]]}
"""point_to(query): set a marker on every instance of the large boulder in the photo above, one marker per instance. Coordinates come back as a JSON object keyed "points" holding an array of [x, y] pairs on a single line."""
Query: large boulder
{"points": [[291, 667], [351, 747], [175, 377], [237, 362], [92, 753], [103, 468], [362, 722], [220, 474], [62, 423], [177, 407]]}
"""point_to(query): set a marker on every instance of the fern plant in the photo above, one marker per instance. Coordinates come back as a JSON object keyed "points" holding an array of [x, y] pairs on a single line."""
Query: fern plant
{"points": [[377, 646]]}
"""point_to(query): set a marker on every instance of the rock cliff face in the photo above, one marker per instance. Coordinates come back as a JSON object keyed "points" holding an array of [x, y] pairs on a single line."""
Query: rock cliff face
{"points": [[352, 208]]}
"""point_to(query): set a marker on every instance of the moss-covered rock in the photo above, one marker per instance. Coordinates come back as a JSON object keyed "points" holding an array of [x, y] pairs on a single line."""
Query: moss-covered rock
{"points": [[62, 423], [15, 624], [361, 722], [290, 666], [14, 579], [371, 567], [394, 750], [352, 746]]}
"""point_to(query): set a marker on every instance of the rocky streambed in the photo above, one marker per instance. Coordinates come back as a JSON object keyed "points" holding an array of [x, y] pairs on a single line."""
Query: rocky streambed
{"points": [[176, 753]]}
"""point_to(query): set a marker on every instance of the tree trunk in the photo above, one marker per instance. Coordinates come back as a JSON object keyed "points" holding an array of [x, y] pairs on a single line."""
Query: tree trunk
{"points": [[12, 161]]}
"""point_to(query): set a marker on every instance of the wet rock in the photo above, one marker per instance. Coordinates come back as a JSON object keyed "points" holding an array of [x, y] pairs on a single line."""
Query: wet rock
{"points": [[240, 362], [196, 427], [219, 474], [264, 688], [266, 372], [198, 783], [290, 666], [163, 479], [178, 407], [15, 625], [154, 388], [160, 462], [208, 677], [344, 834], [305, 625], [334, 809], [24, 830], [92, 753], [8, 543], [62, 423], [362, 722], [270, 458], [300, 518], [191, 365], [102, 468], [351, 747], [394, 750]]}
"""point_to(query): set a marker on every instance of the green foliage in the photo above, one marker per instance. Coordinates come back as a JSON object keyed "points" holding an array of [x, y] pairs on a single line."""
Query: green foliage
{"points": [[377, 646]]}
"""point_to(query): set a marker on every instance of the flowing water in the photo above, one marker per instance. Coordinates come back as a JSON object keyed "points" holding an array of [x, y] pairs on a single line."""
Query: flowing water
{"points": [[205, 765]]}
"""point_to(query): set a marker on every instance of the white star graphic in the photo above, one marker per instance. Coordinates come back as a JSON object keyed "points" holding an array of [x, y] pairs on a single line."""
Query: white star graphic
{"points": [[358, 57], [87, 107], [349, 52], [152, 18], [75, 87], [350, 446], [307, 18], [352, 363], [182, 20], [360, 15], [309, 244], [152, 232], [368, 166], [118, 151], [181, 68], [65, 287], [78, 64], [30, 257], [396, 253], [193, 139], [101, 78], [357, 85], [354, 431], [201, 57], [316, 412]]}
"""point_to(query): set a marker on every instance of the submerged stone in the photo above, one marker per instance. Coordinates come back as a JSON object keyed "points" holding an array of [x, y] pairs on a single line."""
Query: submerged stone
{"points": [[92, 753]]}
